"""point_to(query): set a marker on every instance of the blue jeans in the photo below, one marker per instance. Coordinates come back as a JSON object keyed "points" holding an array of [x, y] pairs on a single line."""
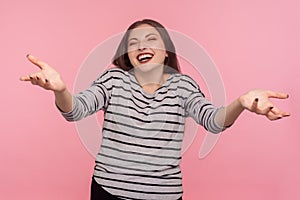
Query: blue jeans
{"points": [[98, 193]]}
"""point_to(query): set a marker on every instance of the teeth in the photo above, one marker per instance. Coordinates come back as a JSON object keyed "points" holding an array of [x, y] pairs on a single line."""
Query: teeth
{"points": [[144, 57]]}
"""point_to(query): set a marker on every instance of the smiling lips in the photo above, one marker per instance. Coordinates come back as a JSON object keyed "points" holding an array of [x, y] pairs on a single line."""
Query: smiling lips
{"points": [[144, 57]]}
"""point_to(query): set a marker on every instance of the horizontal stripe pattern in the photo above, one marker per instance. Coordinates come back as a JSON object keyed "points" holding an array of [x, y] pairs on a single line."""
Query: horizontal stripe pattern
{"points": [[142, 133]]}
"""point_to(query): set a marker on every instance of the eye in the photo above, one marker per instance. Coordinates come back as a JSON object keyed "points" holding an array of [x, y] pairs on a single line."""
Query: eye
{"points": [[152, 38], [132, 43]]}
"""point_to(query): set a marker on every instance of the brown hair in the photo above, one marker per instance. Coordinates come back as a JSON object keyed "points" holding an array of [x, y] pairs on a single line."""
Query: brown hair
{"points": [[121, 58]]}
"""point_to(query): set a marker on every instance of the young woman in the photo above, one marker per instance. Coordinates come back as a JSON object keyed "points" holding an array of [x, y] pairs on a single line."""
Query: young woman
{"points": [[145, 99]]}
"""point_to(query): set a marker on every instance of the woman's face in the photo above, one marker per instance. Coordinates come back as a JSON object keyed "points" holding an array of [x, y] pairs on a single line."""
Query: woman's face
{"points": [[145, 46]]}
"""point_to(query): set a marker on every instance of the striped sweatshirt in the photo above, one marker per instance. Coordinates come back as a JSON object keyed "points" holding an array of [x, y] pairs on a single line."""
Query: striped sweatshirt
{"points": [[142, 133]]}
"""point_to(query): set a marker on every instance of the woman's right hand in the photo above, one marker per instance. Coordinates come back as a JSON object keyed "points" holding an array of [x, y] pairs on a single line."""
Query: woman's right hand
{"points": [[46, 78]]}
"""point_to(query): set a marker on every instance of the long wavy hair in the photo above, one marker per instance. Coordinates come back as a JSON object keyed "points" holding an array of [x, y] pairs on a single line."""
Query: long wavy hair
{"points": [[121, 58]]}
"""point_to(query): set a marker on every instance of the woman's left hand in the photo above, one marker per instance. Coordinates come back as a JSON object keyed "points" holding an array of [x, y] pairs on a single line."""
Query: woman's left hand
{"points": [[258, 101]]}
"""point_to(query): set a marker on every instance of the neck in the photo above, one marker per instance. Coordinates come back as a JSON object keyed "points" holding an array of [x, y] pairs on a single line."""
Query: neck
{"points": [[153, 76]]}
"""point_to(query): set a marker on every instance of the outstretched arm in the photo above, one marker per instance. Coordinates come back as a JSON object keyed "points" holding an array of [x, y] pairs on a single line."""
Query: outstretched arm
{"points": [[50, 79], [257, 101]]}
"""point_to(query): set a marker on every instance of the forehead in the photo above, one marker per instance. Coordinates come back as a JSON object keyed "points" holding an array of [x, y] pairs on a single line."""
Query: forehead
{"points": [[142, 31]]}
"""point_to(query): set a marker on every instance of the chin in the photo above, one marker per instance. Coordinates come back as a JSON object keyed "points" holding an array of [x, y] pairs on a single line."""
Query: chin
{"points": [[148, 67]]}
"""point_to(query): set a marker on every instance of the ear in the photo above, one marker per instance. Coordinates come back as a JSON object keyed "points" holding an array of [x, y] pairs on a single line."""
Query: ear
{"points": [[167, 55]]}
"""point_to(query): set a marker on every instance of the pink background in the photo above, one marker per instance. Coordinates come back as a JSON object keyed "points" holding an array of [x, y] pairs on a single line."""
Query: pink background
{"points": [[255, 44]]}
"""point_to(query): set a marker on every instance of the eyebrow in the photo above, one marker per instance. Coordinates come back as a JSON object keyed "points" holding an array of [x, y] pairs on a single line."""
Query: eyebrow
{"points": [[146, 36]]}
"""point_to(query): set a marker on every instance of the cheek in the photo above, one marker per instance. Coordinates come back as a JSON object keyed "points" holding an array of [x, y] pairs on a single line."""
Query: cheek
{"points": [[159, 46], [131, 57], [161, 54]]}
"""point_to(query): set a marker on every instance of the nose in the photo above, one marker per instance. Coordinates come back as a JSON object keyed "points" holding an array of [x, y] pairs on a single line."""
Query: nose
{"points": [[142, 46]]}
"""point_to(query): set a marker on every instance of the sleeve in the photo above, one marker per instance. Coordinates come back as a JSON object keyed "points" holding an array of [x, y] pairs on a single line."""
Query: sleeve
{"points": [[199, 108], [91, 100]]}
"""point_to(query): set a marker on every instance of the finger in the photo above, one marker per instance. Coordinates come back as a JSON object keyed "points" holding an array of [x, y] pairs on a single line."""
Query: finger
{"points": [[36, 61], [272, 116], [44, 83], [278, 95], [37, 78], [41, 80], [26, 78], [279, 113], [34, 81], [254, 104], [285, 114], [276, 118], [275, 111], [266, 109]]}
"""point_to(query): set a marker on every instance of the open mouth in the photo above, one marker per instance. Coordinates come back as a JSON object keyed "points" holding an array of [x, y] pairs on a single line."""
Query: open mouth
{"points": [[144, 57]]}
